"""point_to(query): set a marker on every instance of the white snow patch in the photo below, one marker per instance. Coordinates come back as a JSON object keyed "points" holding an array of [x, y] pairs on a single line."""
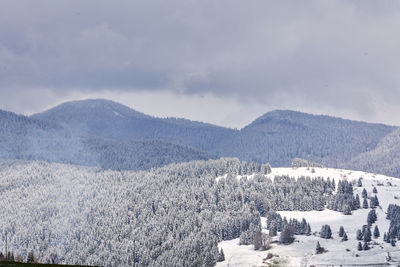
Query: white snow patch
{"points": [[339, 253]]}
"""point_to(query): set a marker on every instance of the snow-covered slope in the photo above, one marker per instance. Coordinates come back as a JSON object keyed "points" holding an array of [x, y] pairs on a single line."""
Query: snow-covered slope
{"points": [[339, 253]]}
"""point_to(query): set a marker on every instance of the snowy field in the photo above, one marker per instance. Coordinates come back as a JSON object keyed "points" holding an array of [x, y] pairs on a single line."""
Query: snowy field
{"points": [[302, 251]]}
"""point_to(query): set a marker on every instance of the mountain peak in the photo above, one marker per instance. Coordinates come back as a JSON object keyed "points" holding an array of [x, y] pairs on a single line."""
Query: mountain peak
{"points": [[88, 109]]}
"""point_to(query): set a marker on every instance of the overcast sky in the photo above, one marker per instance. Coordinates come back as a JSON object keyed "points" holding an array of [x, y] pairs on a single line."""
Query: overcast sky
{"points": [[224, 62]]}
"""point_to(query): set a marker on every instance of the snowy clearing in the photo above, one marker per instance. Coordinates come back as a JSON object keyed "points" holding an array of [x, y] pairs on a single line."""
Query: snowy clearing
{"points": [[339, 253]]}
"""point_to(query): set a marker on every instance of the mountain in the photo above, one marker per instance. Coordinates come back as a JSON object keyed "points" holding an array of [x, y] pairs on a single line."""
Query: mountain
{"points": [[104, 133], [110, 120], [281, 135], [28, 138]]}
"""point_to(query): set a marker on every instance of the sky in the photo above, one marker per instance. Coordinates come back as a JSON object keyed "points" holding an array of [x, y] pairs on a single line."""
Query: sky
{"points": [[223, 62]]}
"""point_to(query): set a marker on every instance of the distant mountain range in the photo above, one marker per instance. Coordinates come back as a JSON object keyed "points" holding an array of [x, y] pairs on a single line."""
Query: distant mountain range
{"points": [[110, 135]]}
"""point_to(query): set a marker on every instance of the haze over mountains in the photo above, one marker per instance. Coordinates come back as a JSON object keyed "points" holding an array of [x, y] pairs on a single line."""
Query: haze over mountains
{"points": [[110, 135]]}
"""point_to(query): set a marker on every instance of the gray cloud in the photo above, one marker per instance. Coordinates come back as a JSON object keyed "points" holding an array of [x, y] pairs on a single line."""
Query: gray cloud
{"points": [[337, 57]]}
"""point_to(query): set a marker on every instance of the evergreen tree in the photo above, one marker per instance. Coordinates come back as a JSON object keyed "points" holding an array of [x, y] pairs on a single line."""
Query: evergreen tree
{"points": [[272, 230], [287, 234], [364, 193], [376, 232], [376, 200], [359, 182], [325, 232], [371, 218], [347, 210], [308, 232], [365, 246], [357, 203], [359, 235], [318, 248], [365, 203], [375, 191], [359, 246], [341, 231], [221, 255], [367, 235], [393, 242], [31, 257]]}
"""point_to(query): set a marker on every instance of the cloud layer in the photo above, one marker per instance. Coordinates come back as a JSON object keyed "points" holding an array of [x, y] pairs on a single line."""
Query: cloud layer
{"points": [[335, 57]]}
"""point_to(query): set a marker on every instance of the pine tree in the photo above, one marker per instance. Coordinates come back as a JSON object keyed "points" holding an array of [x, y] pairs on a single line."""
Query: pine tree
{"points": [[341, 231], [347, 210], [31, 257], [359, 246], [371, 218], [221, 255], [272, 230], [393, 242], [365, 203], [376, 232], [308, 232], [326, 231], [359, 182], [359, 235], [376, 200], [364, 193], [375, 191], [365, 246], [318, 248], [344, 237], [357, 203], [287, 234], [367, 235], [385, 238]]}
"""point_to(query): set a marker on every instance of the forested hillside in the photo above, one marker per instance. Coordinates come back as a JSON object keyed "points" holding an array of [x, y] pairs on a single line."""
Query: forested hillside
{"points": [[176, 214], [26, 138], [276, 137], [280, 136], [385, 158], [112, 136]]}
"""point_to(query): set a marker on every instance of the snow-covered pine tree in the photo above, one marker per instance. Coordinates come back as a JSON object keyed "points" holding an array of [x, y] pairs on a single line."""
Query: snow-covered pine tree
{"points": [[365, 203], [364, 193], [341, 231], [376, 232], [326, 232]]}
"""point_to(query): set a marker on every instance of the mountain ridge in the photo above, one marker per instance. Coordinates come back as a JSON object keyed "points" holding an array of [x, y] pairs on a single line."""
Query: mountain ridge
{"points": [[276, 137]]}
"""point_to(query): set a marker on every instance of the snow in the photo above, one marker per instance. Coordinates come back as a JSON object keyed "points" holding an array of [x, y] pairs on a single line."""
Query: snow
{"points": [[302, 251]]}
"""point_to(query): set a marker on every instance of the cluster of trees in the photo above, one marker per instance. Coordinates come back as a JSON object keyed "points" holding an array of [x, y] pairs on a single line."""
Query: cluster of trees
{"points": [[288, 229], [344, 200], [393, 233], [11, 258], [366, 234]]}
